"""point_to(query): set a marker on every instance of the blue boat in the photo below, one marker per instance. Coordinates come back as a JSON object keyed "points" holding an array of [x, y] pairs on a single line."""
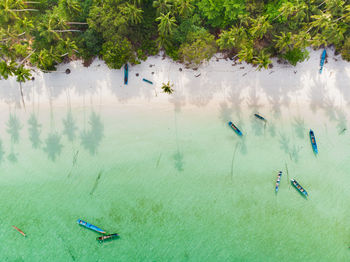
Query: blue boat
{"points": [[126, 74], [89, 226], [299, 187], [313, 141], [238, 132], [278, 181], [260, 117], [323, 58], [147, 81]]}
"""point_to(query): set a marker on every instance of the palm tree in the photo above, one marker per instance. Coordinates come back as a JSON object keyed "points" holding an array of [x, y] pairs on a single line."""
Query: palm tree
{"points": [[22, 75], [167, 24], [284, 41], [262, 60], [163, 6], [167, 88], [259, 27], [132, 13], [184, 7], [246, 53], [6, 70]]}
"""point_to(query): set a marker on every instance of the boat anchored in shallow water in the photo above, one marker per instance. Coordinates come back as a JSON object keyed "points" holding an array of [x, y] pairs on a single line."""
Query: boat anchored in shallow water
{"points": [[260, 117], [89, 226], [278, 181], [238, 132], [107, 237], [299, 187], [313, 141]]}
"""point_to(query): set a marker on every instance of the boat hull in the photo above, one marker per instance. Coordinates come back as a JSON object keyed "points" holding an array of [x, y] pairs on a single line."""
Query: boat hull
{"points": [[313, 141], [90, 226], [278, 181], [237, 131], [126, 74], [299, 188]]}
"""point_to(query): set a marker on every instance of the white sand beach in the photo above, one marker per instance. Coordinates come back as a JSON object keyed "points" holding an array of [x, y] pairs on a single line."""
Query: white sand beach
{"points": [[215, 82]]}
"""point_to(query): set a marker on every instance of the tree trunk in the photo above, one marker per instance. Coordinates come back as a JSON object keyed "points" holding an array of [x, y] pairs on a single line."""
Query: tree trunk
{"points": [[20, 87]]}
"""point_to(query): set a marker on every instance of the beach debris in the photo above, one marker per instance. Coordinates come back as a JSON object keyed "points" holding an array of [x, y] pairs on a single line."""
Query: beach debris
{"points": [[107, 237], [33, 78], [20, 231], [152, 73], [197, 75], [126, 74], [271, 72], [278, 181], [67, 71], [244, 74], [295, 72], [147, 81], [151, 65], [242, 67], [167, 88], [90, 226], [96, 182], [180, 69], [137, 74], [323, 58]]}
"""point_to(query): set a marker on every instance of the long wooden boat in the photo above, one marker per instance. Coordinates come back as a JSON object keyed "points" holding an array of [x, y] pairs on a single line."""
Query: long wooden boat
{"points": [[89, 226], [299, 187], [260, 117], [313, 141], [323, 58], [126, 74], [232, 125], [147, 81], [278, 181], [20, 231], [107, 237]]}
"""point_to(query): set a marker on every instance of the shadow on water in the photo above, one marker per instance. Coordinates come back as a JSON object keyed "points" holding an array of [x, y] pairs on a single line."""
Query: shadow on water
{"points": [[258, 126], [69, 126], [225, 112], [34, 131], [12, 157], [299, 127], [295, 152], [91, 139], [13, 128], [284, 143], [53, 146], [271, 128], [2, 152], [178, 161], [235, 100]]}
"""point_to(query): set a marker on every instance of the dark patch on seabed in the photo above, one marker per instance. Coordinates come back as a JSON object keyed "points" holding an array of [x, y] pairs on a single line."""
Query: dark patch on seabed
{"points": [[96, 182]]}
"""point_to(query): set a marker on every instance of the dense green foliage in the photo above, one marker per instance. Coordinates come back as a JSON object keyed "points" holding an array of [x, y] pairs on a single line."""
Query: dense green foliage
{"points": [[43, 33]]}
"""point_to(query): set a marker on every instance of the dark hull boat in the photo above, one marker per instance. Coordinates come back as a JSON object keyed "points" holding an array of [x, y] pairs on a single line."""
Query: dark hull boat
{"points": [[299, 187], [323, 58], [313, 141], [260, 117], [278, 181], [238, 132], [107, 237], [126, 74]]}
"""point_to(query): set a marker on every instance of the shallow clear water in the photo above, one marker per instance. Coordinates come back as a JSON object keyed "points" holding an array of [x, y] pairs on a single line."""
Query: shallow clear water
{"points": [[176, 184]]}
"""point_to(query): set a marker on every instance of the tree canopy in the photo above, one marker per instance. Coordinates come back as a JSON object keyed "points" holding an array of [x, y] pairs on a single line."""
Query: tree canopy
{"points": [[44, 33]]}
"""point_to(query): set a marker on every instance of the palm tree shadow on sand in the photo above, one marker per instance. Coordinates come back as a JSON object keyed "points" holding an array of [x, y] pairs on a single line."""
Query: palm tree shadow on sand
{"points": [[13, 128], [34, 131], [299, 127], [69, 126], [178, 161], [2, 152], [91, 139], [53, 146]]}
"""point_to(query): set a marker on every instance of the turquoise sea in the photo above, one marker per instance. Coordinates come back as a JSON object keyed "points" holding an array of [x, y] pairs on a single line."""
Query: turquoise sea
{"points": [[174, 181]]}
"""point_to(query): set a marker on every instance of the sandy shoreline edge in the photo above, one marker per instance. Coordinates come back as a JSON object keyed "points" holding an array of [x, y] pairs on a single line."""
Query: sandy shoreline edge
{"points": [[213, 83]]}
